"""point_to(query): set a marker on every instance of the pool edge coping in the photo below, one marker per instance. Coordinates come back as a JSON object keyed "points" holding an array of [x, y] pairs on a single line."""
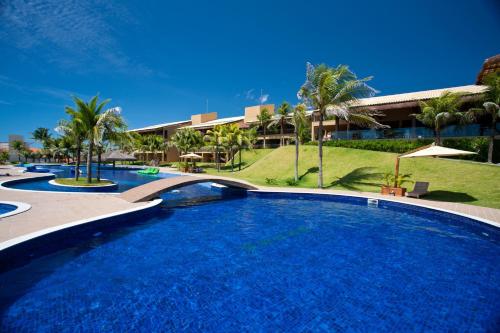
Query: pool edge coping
{"points": [[27, 237], [473, 217], [21, 208]]}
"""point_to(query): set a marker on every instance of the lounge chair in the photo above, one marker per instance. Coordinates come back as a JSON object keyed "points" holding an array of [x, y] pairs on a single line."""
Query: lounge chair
{"points": [[421, 188], [149, 171]]}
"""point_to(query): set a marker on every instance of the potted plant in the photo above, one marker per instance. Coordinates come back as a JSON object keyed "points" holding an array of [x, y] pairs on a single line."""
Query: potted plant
{"points": [[389, 189]]}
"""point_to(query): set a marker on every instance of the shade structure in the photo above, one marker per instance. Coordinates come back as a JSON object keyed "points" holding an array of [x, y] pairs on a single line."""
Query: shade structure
{"points": [[191, 156], [431, 150], [434, 150], [117, 155]]}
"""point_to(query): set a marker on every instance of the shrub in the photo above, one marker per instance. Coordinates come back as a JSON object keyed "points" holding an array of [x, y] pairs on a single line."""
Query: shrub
{"points": [[291, 182], [271, 181], [399, 146]]}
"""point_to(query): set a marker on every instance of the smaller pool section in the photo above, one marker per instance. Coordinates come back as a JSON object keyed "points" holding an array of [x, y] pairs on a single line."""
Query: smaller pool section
{"points": [[126, 178], [6, 208]]}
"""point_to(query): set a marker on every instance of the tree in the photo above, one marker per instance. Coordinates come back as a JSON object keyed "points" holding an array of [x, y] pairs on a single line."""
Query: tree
{"points": [[155, 143], [213, 138], [232, 139], [281, 119], [299, 122], [439, 112], [42, 135], [19, 147], [74, 132], [249, 138], [186, 139], [91, 118], [4, 156], [328, 89], [491, 108], [264, 117]]}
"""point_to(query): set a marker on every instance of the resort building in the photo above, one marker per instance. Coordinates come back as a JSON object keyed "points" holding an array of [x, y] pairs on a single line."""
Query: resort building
{"points": [[396, 111]]}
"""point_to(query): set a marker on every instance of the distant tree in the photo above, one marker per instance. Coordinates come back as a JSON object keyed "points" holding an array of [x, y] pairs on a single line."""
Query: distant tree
{"points": [[4, 156], [19, 147], [264, 117], [299, 122], [186, 139], [439, 112], [491, 108], [213, 138], [281, 119], [42, 135]]}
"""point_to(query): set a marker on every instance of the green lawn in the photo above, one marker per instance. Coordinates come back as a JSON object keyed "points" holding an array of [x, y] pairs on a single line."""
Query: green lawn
{"points": [[362, 170], [82, 182]]}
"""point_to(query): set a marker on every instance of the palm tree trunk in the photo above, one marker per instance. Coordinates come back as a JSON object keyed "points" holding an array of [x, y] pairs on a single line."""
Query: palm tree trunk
{"points": [[239, 164], [337, 127], [232, 160], [264, 128], [491, 143], [217, 158], [281, 134], [98, 174], [78, 160], [296, 155], [320, 151], [89, 162], [438, 137]]}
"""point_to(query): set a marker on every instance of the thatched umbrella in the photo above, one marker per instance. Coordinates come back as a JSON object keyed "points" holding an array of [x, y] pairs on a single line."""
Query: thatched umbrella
{"points": [[117, 155]]}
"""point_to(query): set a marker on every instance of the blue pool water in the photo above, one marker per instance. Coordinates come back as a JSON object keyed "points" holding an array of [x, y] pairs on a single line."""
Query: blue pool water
{"points": [[267, 263], [125, 178], [5, 208]]}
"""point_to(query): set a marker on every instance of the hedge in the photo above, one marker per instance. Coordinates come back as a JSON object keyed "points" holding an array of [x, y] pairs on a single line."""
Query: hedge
{"points": [[477, 144]]}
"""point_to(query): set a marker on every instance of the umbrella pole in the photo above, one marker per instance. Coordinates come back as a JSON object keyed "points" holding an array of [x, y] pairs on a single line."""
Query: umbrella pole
{"points": [[396, 172]]}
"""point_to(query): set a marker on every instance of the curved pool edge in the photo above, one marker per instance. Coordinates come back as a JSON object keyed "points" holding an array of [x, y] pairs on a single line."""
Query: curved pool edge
{"points": [[49, 176], [390, 200], [21, 208], [9, 249], [90, 188]]}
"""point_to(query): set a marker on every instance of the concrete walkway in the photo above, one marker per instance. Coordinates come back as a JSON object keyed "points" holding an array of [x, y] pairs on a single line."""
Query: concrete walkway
{"points": [[50, 209]]}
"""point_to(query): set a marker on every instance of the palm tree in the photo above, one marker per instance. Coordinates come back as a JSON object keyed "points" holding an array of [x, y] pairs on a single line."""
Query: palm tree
{"points": [[19, 147], [439, 112], [264, 117], [155, 143], [232, 139], [108, 130], [213, 138], [281, 119], [92, 119], [328, 89], [186, 139], [491, 107], [73, 130], [299, 122], [248, 138], [41, 134]]}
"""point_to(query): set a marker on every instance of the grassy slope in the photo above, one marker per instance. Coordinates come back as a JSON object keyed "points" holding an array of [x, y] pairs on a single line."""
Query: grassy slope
{"points": [[353, 169]]}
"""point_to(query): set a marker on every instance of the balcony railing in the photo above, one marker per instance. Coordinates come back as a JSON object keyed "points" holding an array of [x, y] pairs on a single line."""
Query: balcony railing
{"points": [[414, 132]]}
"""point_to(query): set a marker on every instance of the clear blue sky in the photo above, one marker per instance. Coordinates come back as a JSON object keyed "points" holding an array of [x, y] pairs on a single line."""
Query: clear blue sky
{"points": [[161, 60]]}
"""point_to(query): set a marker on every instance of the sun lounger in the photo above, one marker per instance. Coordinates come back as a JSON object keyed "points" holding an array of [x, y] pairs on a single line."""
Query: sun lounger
{"points": [[149, 171], [421, 188]]}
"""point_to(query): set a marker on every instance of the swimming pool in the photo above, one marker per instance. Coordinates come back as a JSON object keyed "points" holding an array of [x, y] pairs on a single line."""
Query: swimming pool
{"points": [[6, 208], [126, 178], [266, 262]]}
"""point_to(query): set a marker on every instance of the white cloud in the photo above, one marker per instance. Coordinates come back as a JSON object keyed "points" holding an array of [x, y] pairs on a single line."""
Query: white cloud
{"points": [[263, 98], [71, 33]]}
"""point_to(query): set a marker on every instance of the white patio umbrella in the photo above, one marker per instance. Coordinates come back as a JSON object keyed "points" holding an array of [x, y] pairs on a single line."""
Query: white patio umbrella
{"points": [[191, 156], [431, 150]]}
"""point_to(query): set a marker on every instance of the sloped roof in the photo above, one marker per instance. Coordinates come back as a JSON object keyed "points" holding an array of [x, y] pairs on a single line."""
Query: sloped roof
{"points": [[490, 65], [215, 122], [153, 127], [418, 95]]}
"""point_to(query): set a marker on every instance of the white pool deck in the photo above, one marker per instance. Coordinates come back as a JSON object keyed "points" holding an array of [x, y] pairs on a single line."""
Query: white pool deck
{"points": [[55, 209]]}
